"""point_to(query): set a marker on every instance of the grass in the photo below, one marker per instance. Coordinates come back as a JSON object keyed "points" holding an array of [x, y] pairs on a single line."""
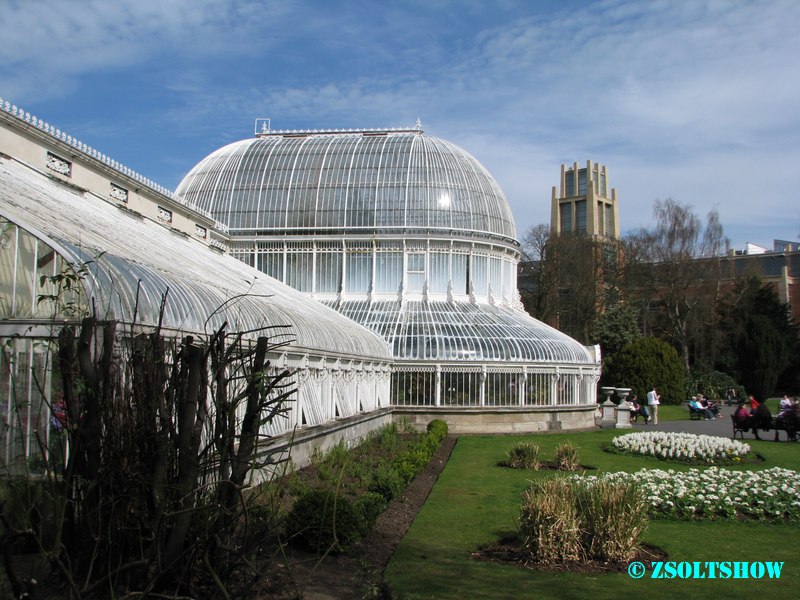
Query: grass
{"points": [[475, 502]]}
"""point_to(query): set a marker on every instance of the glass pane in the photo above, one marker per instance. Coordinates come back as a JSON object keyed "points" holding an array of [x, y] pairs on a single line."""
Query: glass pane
{"points": [[24, 290], [8, 249], [359, 272], [388, 271], [480, 279], [329, 272], [299, 270], [439, 274]]}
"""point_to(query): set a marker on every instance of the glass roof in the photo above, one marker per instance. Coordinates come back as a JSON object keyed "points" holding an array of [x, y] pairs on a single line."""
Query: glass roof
{"points": [[373, 181], [126, 254], [458, 331]]}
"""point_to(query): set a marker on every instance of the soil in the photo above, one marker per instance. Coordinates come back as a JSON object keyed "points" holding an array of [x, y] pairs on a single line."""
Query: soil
{"points": [[509, 553], [359, 572]]}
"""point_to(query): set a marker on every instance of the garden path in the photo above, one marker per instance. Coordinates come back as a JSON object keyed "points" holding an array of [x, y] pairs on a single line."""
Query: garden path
{"points": [[721, 426]]}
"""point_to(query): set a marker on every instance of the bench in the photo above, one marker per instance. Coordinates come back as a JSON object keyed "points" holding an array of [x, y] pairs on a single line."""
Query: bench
{"points": [[741, 427], [697, 414]]}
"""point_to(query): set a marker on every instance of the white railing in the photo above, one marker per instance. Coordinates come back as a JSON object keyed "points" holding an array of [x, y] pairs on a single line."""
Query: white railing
{"points": [[63, 136]]}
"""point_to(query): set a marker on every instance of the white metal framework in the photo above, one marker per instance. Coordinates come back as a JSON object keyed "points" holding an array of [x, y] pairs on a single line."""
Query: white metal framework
{"points": [[408, 235], [124, 266]]}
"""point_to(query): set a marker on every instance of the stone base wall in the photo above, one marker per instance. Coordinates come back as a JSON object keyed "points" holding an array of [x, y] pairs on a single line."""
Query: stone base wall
{"points": [[462, 421], [300, 445]]}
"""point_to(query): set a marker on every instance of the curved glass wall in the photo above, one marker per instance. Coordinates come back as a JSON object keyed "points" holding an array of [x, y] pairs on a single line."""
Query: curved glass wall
{"points": [[55, 270], [388, 267], [131, 263], [457, 331]]}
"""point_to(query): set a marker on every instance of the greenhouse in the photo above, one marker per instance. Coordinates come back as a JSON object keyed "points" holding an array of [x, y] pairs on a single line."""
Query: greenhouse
{"points": [[383, 261], [125, 269], [410, 236]]}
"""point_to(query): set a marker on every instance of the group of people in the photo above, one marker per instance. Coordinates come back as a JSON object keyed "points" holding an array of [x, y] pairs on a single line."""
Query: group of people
{"points": [[704, 406], [648, 411], [749, 414], [759, 417]]}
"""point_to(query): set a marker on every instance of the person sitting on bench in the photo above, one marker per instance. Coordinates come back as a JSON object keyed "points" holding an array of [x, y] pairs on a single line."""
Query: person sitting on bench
{"points": [[638, 410], [710, 408], [741, 417], [697, 407]]}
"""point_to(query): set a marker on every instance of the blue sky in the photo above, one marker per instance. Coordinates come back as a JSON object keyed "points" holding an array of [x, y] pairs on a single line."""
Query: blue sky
{"points": [[693, 100]]}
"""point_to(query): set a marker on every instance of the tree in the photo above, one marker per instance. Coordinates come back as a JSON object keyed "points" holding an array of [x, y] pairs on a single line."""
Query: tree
{"points": [[762, 355], [673, 270], [615, 328], [647, 362], [538, 281], [565, 280], [762, 342]]}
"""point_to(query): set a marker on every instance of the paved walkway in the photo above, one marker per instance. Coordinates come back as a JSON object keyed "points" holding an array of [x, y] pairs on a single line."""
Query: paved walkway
{"points": [[721, 426]]}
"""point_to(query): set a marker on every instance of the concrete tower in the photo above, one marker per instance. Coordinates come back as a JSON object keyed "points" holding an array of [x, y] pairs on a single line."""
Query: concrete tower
{"points": [[583, 205]]}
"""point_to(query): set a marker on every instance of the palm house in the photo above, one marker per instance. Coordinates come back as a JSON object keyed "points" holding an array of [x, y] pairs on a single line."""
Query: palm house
{"points": [[411, 237], [389, 257]]}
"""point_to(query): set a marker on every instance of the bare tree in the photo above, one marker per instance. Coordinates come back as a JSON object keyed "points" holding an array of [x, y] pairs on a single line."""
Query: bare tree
{"points": [[538, 281], [565, 280], [674, 270]]}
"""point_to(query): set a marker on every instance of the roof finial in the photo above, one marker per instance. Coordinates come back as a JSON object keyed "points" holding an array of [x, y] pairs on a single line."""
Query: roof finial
{"points": [[262, 126], [418, 124]]}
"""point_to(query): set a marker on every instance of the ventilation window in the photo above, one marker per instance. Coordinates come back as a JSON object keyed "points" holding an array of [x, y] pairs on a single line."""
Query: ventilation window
{"points": [[59, 165], [118, 193], [164, 215]]}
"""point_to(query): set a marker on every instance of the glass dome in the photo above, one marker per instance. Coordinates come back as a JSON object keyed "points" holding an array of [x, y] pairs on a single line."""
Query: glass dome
{"points": [[436, 274], [361, 182]]}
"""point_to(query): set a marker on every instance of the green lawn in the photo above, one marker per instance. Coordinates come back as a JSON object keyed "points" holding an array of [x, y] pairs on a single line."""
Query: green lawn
{"points": [[475, 502]]}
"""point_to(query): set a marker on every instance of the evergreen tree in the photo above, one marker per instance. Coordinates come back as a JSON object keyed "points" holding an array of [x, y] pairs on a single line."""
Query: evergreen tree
{"points": [[647, 362]]}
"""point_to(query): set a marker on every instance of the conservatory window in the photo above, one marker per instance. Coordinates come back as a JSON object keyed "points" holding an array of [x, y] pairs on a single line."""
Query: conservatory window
{"points": [[415, 272], [359, 270], [329, 271], [299, 270], [479, 274], [440, 272], [388, 271]]}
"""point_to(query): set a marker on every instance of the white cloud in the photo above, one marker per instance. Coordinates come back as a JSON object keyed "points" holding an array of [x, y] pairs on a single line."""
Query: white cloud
{"points": [[691, 100]]}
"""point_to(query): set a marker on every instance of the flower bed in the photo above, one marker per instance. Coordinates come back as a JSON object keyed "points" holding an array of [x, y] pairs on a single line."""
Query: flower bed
{"points": [[716, 493], [686, 447]]}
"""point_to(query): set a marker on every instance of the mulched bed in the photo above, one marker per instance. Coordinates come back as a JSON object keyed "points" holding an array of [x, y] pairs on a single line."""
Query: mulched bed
{"points": [[348, 576], [508, 552]]}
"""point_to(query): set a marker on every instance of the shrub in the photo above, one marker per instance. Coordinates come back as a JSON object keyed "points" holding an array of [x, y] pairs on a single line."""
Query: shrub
{"points": [[387, 437], [549, 524], [649, 362], [524, 455], [369, 507], [713, 384], [413, 461], [387, 482], [437, 429], [321, 521], [567, 457]]}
